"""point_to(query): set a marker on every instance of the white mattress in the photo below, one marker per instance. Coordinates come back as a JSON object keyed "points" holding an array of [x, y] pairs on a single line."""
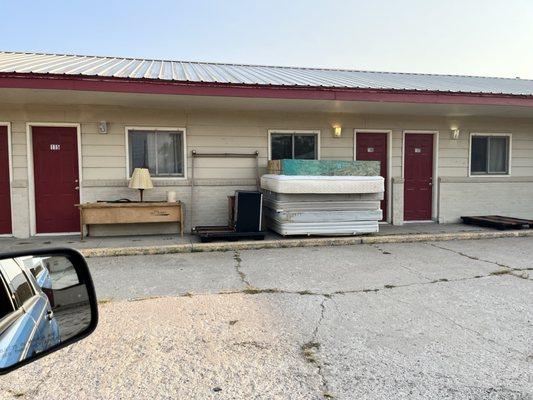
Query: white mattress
{"points": [[321, 205], [322, 184], [322, 216], [309, 197], [324, 229]]}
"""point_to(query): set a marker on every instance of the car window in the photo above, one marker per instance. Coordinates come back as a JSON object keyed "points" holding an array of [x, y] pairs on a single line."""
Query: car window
{"points": [[17, 280], [36, 270], [6, 306]]}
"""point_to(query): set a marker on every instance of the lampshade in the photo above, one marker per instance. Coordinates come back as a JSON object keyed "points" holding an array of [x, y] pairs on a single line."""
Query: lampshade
{"points": [[141, 179]]}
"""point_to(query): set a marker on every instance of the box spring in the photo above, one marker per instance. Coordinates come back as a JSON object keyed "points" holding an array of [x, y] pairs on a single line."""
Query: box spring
{"points": [[324, 228]]}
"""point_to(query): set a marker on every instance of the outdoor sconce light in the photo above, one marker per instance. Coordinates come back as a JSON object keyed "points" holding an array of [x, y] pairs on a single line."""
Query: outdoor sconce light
{"points": [[455, 133], [337, 131], [102, 127]]}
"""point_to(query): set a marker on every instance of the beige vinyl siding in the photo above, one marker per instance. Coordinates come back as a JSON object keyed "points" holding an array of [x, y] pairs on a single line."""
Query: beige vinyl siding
{"points": [[397, 150], [19, 157], [208, 131], [522, 154], [453, 154], [104, 156]]}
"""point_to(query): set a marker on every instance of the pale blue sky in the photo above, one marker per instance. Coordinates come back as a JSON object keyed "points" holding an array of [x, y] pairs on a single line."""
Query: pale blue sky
{"points": [[479, 37]]}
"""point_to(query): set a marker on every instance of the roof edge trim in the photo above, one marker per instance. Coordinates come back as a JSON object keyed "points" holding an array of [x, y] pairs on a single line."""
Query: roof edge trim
{"points": [[151, 86]]}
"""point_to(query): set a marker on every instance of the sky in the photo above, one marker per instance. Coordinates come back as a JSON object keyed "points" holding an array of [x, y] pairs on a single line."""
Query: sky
{"points": [[471, 37]]}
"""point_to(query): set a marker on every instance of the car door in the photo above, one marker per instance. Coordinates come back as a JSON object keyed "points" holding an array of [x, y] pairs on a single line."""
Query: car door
{"points": [[37, 329], [46, 332], [17, 326]]}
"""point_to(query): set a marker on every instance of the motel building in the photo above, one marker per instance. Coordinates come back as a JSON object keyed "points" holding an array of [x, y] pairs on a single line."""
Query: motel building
{"points": [[73, 128]]}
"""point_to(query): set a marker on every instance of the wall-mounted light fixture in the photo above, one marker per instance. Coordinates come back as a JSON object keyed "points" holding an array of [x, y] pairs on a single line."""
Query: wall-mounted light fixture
{"points": [[455, 133], [102, 127], [337, 131]]}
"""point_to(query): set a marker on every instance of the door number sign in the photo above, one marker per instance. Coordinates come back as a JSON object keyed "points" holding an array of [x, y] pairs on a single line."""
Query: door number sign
{"points": [[370, 150], [418, 150], [55, 147]]}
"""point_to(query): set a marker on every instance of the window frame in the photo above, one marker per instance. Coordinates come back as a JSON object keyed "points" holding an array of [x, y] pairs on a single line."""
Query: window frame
{"points": [[128, 129], [490, 174], [14, 298], [315, 132], [7, 289]]}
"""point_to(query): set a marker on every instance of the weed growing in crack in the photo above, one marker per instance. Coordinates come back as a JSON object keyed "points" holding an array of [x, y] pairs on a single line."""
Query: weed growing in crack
{"points": [[501, 272], [309, 351], [242, 275], [254, 290]]}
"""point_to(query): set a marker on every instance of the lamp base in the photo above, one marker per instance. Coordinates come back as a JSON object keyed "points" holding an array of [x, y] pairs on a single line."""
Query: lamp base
{"points": [[141, 192]]}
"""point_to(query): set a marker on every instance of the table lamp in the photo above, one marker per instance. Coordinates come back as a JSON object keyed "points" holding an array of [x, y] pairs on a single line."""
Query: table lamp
{"points": [[141, 180]]}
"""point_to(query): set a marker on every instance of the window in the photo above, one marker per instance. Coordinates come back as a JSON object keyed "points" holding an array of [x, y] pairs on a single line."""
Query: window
{"points": [[6, 306], [302, 146], [489, 155], [162, 152], [17, 280]]}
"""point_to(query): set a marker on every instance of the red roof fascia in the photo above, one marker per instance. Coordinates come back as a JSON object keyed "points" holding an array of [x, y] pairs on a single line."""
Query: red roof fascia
{"points": [[148, 86]]}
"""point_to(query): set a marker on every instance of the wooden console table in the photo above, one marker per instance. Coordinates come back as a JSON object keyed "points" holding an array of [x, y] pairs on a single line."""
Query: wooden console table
{"points": [[129, 213]]}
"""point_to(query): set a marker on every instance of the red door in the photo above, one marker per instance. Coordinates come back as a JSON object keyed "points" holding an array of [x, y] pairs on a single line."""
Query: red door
{"points": [[418, 174], [55, 164], [5, 195], [373, 147]]}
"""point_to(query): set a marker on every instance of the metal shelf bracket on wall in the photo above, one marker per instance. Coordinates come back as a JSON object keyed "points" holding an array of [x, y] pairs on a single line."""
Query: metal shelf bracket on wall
{"points": [[196, 155]]}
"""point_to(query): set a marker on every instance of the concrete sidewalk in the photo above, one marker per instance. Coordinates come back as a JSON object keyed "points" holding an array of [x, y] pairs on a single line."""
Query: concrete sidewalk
{"points": [[166, 244]]}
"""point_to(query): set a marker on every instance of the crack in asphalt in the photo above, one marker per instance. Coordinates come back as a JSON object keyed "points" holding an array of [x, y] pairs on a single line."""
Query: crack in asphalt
{"points": [[310, 349], [251, 290], [240, 273], [460, 253]]}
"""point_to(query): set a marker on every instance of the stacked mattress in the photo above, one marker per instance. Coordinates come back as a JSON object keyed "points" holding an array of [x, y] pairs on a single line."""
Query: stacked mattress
{"points": [[322, 205]]}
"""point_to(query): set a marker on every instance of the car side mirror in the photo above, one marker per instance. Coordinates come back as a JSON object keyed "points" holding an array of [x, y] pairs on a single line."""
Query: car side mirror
{"points": [[47, 302]]}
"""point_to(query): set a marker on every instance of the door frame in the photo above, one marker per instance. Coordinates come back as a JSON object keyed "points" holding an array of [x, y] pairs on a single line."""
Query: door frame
{"points": [[435, 172], [388, 184], [31, 177], [10, 168]]}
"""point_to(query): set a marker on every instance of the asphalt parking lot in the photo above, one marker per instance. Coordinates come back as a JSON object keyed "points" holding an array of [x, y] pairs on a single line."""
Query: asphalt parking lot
{"points": [[443, 320]]}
